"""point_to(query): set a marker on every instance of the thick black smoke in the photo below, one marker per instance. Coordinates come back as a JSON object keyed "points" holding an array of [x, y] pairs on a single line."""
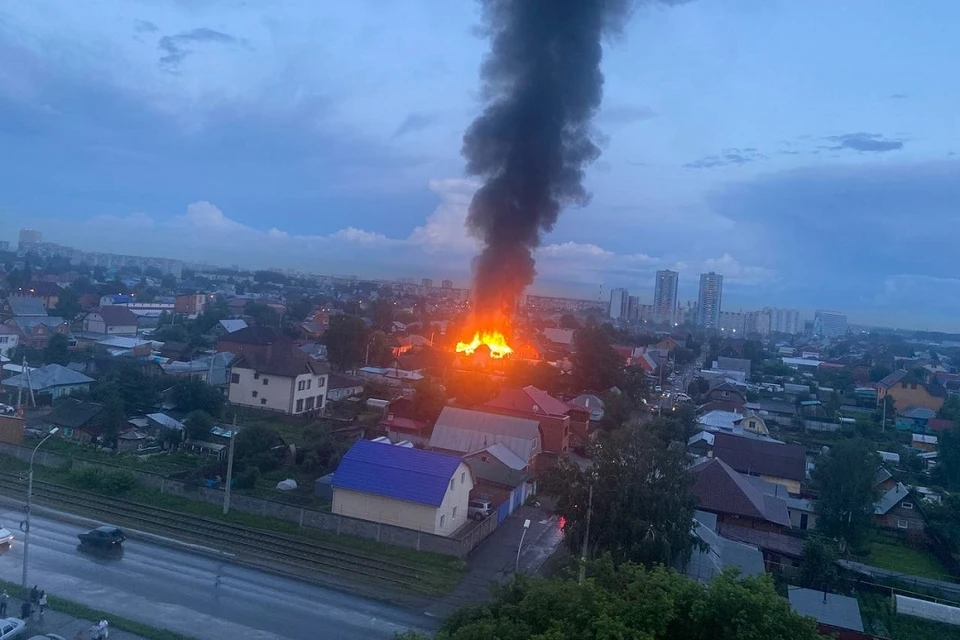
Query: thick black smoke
{"points": [[543, 85]]}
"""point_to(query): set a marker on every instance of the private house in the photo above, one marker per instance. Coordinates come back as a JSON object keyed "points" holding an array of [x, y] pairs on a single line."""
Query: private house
{"points": [[341, 387], [404, 487], [78, 420], [558, 339], [507, 489], [47, 292], [883, 481], [923, 442], [253, 339], [741, 365], [720, 490], [536, 404], [728, 392], [836, 615], [177, 351], [281, 378], [719, 553], [9, 339], [190, 304], [593, 404], [914, 418], [772, 461], [908, 391], [899, 510], [749, 424], [229, 326], [132, 440], [35, 331], [111, 321], [22, 307], [463, 432], [50, 382], [160, 424]]}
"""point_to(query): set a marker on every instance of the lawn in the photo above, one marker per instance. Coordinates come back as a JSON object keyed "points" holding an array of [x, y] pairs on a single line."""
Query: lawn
{"points": [[903, 559], [880, 619]]}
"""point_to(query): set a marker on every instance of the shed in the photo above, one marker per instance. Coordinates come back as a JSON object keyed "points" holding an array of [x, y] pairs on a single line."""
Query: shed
{"points": [[842, 612]]}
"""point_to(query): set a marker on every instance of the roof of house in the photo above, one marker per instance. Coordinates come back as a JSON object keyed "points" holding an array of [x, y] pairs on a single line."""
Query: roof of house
{"points": [[404, 423], [114, 316], [826, 608], [923, 439], [231, 325], [941, 424], [470, 431], [722, 405], [496, 473], [730, 388], [892, 378], [339, 381], [26, 324], [256, 335], [504, 455], [722, 553], [733, 364], [166, 421], [720, 420], [26, 306], [918, 413], [529, 399], [72, 413], [48, 376], [719, 488], [890, 499], [881, 476], [44, 289], [558, 336], [401, 473], [282, 360], [762, 457], [776, 542]]}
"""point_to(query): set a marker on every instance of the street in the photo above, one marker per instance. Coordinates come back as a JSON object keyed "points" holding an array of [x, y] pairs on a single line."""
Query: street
{"points": [[176, 590]]}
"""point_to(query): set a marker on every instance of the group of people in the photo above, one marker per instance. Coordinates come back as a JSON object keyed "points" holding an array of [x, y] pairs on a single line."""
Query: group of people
{"points": [[38, 599]]}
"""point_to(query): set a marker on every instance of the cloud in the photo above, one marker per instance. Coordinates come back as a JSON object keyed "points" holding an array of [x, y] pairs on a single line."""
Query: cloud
{"points": [[732, 156], [145, 26], [175, 47], [416, 121], [864, 142], [898, 96], [626, 114]]}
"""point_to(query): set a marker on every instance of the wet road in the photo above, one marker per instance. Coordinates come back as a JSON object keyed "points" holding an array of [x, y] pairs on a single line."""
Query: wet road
{"points": [[175, 589]]}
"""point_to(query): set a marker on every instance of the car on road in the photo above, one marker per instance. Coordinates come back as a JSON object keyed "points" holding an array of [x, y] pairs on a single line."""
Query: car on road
{"points": [[47, 636], [6, 537], [479, 509], [11, 628], [105, 537]]}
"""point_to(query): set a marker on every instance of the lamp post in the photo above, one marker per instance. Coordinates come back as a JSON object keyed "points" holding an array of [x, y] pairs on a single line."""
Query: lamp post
{"points": [[526, 526], [25, 525]]}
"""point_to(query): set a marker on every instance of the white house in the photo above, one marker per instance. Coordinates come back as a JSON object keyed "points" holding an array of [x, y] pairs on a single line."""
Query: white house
{"points": [[281, 378], [9, 339], [111, 320], [404, 487]]}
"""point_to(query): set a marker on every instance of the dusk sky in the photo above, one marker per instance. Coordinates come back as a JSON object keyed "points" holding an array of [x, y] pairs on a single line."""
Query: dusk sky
{"points": [[805, 149]]}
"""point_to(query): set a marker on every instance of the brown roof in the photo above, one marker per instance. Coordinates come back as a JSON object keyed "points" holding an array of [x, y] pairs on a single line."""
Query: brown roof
{"points": [[281, 360], [722, 405], [256, 335], [114, 316], [941, 424], [44, 289], [529, 400], [761, 457], [720, 489], [766, 540]]}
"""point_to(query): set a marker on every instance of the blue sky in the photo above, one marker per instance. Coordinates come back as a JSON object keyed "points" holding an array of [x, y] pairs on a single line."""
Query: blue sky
{"points": [[806, 149]]}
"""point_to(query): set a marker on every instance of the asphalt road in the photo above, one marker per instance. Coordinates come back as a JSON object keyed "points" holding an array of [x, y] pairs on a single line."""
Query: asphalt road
{"points": [[176, 590]]}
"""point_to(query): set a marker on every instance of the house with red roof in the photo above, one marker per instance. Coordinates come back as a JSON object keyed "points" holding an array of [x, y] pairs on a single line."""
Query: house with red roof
{"points": [[555, 416]]}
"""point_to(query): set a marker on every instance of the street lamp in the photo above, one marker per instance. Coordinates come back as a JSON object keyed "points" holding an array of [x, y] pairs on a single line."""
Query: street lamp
{"points": [[526, 526], [25, 525]]}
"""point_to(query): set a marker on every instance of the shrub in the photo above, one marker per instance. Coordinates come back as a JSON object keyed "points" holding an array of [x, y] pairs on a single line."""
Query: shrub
{"points": [[111, 483], [249, 478]]}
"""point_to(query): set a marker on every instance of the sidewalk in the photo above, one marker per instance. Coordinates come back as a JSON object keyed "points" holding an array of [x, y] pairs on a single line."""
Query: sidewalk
{"points": [[61, 624]]}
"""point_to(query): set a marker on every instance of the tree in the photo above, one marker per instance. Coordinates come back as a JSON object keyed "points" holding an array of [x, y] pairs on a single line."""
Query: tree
{"points": [[262, 314], [198, 425], [57, 350], [843, 478], [879, 372], [346, 340], [381, 314], [254, 445], [169, 282], [569, 321], [191, 394], [943, 521], [641, 508], [379, 352], [596, 365], [818, 564], [542, 375], [634, 385], [113, 417], [428, 400], [630, 602], [68, 304], [299, 309], [948, 463]]}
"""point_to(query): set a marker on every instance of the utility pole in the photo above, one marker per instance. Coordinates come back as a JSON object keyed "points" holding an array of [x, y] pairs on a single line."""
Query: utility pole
{"points": [[883, 420], [226, 490], [586, 537]]}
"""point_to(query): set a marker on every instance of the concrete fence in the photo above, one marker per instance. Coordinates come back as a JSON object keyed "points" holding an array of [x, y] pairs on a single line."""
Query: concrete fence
{"points": [[324, 521]]}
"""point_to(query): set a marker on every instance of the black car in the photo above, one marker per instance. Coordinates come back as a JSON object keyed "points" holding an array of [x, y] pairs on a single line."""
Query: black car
{"points": [[105, 536]]}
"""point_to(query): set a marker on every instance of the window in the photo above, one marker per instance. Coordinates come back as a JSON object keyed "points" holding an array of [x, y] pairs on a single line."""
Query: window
{"points": [[253, 393], [309, 382], [902, 524], [463, 477], [442, 519], [235, 378], [319, 402], [454, 513], [256, 376], [308, 404], [263, 401], [300, 386], [266, 381], [320, 382], [299, 406], [451, 484], [906, 505]]}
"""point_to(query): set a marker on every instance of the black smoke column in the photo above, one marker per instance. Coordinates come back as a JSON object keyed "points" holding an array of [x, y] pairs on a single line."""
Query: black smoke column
{"points": [[542, 85]]}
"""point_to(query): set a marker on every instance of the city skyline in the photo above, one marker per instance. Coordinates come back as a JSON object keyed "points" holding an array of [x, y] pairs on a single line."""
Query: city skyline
{"points": [[230, 135]]}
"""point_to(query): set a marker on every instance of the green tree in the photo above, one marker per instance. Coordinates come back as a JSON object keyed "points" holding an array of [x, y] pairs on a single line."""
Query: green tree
{"points": [[541, 375], [381, 314], [948, 464], [261, 313], [428, 400], [113, 417], [169, 282], [596, 365], [192, 394], [379, 352], [641, 507], [569, 321], [255, 445], [843, 479], [198, 424], [818, 565], [634, 385], [879, 372], [68, 304], [346, 340], [57, 350]]}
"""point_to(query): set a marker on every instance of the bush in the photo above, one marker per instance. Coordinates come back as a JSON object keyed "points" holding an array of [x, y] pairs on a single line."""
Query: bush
{"points": [[111, 483], [249, 478]]}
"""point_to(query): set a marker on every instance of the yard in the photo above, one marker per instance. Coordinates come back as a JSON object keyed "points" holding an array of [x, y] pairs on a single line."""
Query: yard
{"points": [[880, 619], [904, 559]]}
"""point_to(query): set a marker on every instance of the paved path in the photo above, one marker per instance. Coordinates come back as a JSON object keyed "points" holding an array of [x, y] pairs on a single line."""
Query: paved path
{"points": [[495, 560], [174, 589], [62, 624]]}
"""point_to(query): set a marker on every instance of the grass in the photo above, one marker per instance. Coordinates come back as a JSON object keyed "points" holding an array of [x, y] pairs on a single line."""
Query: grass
{"points": [[880, 619], [165, 464], [83, 612], [903, 559]]}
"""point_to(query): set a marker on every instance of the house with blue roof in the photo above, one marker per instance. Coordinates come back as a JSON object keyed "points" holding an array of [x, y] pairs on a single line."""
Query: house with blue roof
{"points": [[404, 487]]}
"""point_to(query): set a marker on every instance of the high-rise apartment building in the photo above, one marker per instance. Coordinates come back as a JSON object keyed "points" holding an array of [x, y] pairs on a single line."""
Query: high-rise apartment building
{"points": [[446, 284], [665, 297], [785, 321], [829, 324], [426, 283], [732, 321], [708, 302], [618, 303], [633, 308], [29, 238]]}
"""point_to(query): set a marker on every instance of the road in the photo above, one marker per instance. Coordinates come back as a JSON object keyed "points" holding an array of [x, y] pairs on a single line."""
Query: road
{"points": [[176, 590]]}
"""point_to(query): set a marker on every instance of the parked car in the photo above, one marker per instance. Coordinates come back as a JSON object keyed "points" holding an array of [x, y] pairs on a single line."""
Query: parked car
{"points": [[11, 628], [105, 536], [6, 537], [479, 509], [47, 636]]}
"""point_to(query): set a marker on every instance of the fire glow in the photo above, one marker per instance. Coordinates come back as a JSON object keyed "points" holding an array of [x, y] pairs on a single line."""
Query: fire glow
{"points": [[495, 341]]}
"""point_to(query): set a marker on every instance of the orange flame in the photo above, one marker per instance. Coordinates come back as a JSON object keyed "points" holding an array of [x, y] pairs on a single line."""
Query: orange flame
{"points": [[496, 341]]}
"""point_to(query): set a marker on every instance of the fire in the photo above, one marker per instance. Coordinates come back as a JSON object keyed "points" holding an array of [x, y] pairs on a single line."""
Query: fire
{"points": [[496, 341]]}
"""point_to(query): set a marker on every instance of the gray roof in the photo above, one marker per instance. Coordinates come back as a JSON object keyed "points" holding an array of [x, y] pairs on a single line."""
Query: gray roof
{"points": [[918, 413], [826, 608], [505, 456], [892, 378], [496, 473], [721, 553], [26, 306], [26, 324], [734, 364], [891, 498], [231, 325], [46, 377], [166, 421], [468, 431]]}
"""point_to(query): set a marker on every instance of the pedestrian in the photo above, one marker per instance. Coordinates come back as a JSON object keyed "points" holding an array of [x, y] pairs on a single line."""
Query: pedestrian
{"points": [[34, 595], [42, 602], [26, 611], [4, 599], [104, 630]]}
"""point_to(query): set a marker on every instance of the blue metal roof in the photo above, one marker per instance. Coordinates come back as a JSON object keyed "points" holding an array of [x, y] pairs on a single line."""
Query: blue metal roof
{"points": [[402, 473]]}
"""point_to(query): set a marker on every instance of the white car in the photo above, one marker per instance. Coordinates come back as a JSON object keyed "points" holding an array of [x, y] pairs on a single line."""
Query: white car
{"points": [[47, 636], [11, 628], [6, 537]]}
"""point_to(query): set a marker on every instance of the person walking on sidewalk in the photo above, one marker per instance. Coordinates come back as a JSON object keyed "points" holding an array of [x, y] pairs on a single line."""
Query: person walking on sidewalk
{"points": [[34, 595], [26, 611], [43, 603], [4, 599]]}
